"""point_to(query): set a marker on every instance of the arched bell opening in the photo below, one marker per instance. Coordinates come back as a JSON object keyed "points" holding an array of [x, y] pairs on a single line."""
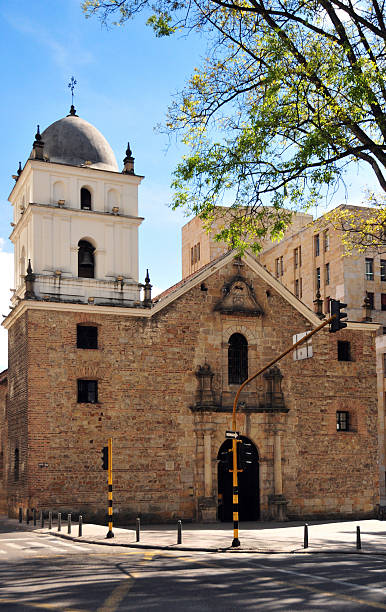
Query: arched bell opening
{"points": [[85, 199], [86, 263], [248, 481]]}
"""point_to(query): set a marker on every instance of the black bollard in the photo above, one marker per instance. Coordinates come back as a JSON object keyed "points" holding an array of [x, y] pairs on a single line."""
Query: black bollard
{"points": [[359, 544], [27, 516], [137, 529], [20, 515], [80, 526], [69, 523], [34, 515], [41, 519], [59, 521], [50, 520], [305, 545], [179, 532]]}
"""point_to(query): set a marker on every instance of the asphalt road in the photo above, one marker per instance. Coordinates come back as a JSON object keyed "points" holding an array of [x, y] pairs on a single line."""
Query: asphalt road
{"points": [[43, 572]]}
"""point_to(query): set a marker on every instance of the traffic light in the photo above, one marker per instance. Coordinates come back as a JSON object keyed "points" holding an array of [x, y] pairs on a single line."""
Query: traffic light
{"points": [[226, 459], [335, 308], [245, 455], [105, 458]]}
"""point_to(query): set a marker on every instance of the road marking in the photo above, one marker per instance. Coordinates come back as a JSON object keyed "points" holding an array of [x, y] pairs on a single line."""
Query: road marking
{"points": [[38, 605], [366, 602], [74, 546], [341, 581], [116, 597]]}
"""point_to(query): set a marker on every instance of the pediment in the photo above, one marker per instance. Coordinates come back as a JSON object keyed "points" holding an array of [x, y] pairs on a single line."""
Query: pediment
{"points": [[239, 298]]}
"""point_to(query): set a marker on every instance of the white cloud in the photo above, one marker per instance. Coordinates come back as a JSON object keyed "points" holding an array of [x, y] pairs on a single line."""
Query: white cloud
{"points": [[6, 282]]}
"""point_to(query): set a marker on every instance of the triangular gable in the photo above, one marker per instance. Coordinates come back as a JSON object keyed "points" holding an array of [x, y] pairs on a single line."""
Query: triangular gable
{"points": [[251, 261]]}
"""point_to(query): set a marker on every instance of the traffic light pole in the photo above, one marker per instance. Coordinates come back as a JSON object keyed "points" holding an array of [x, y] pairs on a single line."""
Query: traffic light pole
{"points": [[236, 541], [110, 533]]}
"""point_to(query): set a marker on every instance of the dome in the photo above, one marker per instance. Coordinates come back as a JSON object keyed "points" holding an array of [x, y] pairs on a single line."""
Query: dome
{"points": [[74, 141]]}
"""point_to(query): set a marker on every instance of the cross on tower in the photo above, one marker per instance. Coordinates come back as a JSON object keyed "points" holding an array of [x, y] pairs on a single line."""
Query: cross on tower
{"points": [[71, 86]]}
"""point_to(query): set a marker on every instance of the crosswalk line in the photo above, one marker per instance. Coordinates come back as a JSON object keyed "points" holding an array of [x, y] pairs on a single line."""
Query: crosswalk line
{"points": [[75, 546]]}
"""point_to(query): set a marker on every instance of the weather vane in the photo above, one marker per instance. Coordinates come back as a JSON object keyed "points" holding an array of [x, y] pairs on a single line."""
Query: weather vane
{"points": [[71, 86]]}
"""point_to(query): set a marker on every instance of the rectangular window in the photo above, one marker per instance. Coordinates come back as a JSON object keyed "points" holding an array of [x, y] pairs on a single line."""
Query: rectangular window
{"points": [[327, 275], [191, 256], [281, 266], [87, 391], [277, 267], [300, 257], [297, 287], [384, 365], [342, 420], [369, 268], [370, 296], [300, 288], [326, 240], [296, 258], [86, 337], [317, 278], [344, 350], [316, 245], [383, 269], [384, 331], [383, 301]]}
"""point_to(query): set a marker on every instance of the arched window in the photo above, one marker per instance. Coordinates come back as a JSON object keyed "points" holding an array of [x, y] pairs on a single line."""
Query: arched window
{"points": [[22, 266], [85, 199], [86, 267], [237, 359], [16, 465]]}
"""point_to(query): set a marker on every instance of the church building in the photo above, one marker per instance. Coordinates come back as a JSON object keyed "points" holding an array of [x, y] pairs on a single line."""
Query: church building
{"points": [[93, 357]]}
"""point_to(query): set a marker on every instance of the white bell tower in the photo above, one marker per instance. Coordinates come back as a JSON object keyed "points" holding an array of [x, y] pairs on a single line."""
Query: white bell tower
{"points": [[75, 218]]}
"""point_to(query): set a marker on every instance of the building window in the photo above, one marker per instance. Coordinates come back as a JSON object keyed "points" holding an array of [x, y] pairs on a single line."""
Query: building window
{"points": [[86, 337], [16, 464], [316, 245], [344, 350], [85, 199], [342, 420], [296, 258], [326, 240], [277, 267], [384, 365], [384, 331], [86, 268], [87, 391], [297, 287], [300, 257], [383, 269], [383, 301], [369, 268], [317, 278], [237, 359], [195, 254], [281, 266], [370, 297], [327, 275], [300, 288]]}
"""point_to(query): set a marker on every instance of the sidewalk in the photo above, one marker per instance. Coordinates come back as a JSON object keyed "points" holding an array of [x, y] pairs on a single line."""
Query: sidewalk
{"points": [[327, 537]]}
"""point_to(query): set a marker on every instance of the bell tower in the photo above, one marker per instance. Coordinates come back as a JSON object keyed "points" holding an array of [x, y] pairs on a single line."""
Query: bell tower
{"points": [[75, 219]]}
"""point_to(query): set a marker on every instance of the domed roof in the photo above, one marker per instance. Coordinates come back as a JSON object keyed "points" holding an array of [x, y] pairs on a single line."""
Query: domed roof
{"points": [[74, 141]]}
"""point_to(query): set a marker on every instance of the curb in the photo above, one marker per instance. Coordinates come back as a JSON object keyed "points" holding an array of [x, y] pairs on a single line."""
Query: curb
{"points": [[296, 551]]}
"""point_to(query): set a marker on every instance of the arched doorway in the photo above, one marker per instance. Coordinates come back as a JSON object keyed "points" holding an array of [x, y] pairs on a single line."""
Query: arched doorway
{"points": [[248, 481]]}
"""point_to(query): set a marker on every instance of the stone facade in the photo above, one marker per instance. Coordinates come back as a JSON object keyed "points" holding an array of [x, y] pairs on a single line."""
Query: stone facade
{"points": [[166, 438]]}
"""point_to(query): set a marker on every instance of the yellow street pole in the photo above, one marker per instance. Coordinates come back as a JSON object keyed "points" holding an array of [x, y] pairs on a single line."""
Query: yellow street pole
{"points": [[110, 533], [236, 541]]}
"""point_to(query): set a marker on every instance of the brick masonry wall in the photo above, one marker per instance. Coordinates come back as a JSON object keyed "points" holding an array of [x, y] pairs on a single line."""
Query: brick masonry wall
{"points": [[147, 385]]}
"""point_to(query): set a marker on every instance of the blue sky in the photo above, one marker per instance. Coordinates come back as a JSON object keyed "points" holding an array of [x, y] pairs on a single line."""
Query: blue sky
{"points": [[126, 79]]}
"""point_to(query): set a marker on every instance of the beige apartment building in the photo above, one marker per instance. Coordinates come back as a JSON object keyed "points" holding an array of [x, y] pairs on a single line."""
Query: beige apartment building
{"points": [[310, 258]]}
